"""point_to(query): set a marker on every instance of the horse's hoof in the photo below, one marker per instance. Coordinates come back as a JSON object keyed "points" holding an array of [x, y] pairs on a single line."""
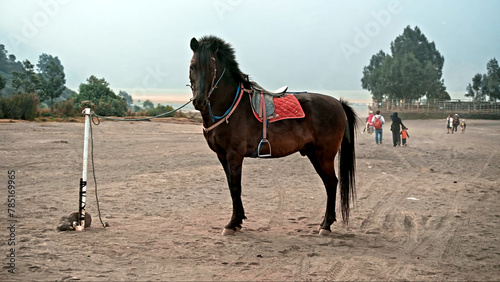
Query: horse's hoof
{"points": [[228, 232], [324, 232]]}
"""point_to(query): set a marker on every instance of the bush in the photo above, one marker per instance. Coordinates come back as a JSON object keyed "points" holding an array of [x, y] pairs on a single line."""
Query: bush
{"points": [[65, 108], [2, 102], [131, 113], [119, 107], [137, 108], [161, 110], [20, 106], [180, 114], [112, 107], [45, 112], [86, 104]]}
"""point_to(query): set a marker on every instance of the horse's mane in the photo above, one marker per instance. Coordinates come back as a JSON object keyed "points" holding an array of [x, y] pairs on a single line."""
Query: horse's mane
{"points": [[211, 44]]}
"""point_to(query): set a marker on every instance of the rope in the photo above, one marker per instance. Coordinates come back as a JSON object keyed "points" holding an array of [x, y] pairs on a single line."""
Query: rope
{"points": [[137, 119], [94, 115], [93, 173], [215, 86], [226, 117], [214, 118]]}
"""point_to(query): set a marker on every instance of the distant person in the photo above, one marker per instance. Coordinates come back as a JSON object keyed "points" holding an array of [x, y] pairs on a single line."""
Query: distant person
{"points": [[368, 122], [449, 123], [378, 122], [456, 122], [396, 129], [463, 125], [404, 135]]}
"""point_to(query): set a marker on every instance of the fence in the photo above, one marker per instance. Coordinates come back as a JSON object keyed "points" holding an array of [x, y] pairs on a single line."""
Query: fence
{"points": [[436, 105]]}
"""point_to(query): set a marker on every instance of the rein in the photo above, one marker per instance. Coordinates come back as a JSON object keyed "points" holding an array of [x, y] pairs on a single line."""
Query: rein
{"points": [[230, 111], [212, 88], [223, 115], [213, 79], [210, 93]]}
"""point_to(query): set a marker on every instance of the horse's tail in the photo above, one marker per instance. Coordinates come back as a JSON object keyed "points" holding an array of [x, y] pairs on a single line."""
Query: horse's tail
{"points": [[348, 161]]}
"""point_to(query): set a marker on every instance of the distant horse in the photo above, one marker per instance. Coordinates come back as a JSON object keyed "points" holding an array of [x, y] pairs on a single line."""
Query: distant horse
{"points": [[220, 88]]}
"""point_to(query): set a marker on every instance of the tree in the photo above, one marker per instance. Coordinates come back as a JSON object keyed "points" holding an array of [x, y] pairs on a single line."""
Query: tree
{"points": [[470, 91], [52, 80], [487, 85], [414, 41], [52, 77], [8, 64], [412, 71], [148, 105], [475, 90], [127, 98], [373, 79], [97, 92], [3, 82], [44, 62], [3, 54], [433, 87], [405, 77], [492, 83], [26, 81]]}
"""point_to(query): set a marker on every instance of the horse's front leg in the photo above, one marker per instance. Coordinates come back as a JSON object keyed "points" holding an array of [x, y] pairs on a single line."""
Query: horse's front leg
{"points": [[232, 168]]}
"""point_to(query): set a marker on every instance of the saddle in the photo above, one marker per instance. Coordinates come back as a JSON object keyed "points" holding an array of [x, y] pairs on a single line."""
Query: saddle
{"points": [[263, 106], [268, 99], [266, 111]]}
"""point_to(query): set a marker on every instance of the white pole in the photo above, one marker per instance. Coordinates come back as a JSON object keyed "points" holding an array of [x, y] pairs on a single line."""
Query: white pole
{"points": [[83, 180]]}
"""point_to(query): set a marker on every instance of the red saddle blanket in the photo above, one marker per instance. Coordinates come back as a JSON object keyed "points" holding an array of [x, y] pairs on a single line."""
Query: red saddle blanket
{"points": [[286, 107]]}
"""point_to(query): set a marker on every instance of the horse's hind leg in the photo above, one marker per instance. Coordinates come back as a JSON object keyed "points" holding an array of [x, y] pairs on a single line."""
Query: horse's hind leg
{"points": [[325, 166]]}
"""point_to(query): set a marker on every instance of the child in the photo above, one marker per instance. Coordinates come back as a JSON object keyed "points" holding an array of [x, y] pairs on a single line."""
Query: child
{"points": [[463, 125], [449, 123], [368, 122], [404, 135], [456, 122]]}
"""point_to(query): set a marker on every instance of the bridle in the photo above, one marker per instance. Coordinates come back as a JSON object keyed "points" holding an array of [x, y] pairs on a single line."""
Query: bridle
{"points": [[212, 88], [230, 110], [214, 83]]}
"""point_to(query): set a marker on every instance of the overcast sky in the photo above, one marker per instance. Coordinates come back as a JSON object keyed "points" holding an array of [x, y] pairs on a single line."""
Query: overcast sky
{"points": [[142, 47]]}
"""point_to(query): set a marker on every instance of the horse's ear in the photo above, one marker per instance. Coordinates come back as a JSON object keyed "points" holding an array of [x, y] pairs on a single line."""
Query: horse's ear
{"points": [[194, 44]]}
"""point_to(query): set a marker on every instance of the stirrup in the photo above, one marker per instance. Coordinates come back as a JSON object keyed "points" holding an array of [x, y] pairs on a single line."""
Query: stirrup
{"points": [[263, 141]]}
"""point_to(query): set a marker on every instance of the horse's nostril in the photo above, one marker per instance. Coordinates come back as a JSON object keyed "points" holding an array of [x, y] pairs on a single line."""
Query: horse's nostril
{"points": [[199, 104]]}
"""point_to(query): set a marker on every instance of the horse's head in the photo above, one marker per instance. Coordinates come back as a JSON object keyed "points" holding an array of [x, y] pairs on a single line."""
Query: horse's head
{"points": [[211, 57], [202, 71]]}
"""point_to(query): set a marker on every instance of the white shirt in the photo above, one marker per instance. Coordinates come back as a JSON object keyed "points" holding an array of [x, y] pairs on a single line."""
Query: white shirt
{"points": [[378, 117]]}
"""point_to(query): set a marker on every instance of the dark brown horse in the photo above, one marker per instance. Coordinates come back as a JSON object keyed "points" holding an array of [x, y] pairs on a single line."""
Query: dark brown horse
{"points": [[231, 130]]}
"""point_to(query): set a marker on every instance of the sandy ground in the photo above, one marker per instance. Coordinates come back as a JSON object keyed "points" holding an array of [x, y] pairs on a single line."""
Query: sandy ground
{"points": [[429, 211]]}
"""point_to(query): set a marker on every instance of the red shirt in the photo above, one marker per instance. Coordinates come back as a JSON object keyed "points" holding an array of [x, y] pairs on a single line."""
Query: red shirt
{"points": [[403, 133], [369, 118]]}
